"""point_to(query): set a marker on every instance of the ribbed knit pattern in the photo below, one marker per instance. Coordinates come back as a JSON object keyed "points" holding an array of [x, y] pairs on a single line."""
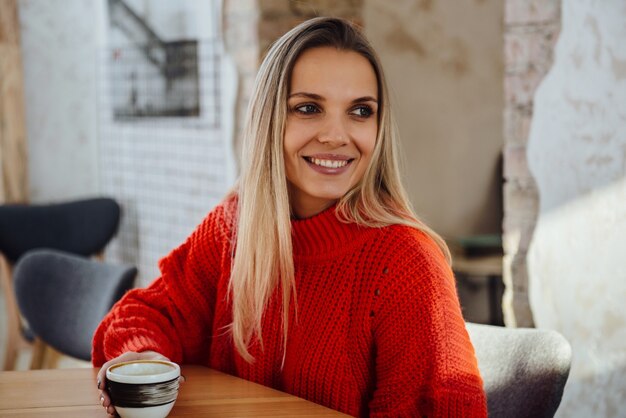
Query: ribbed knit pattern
{"points": [[378, 332]]}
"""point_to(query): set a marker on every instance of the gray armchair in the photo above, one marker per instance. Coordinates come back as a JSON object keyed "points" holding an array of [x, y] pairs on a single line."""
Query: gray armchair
{"points": [[64, 297], [524, 370], [82, 227]]}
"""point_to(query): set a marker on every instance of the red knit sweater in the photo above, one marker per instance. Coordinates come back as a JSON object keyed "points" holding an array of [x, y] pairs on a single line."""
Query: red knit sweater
{"points": [[379, 330]]}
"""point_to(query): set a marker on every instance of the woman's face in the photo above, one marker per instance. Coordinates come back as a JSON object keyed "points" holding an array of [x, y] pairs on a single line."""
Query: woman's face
{"points": [[331, 127]]}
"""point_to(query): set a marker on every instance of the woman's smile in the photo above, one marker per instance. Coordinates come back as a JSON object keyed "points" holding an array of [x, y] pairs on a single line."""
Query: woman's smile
{"points": [[329, 164]]}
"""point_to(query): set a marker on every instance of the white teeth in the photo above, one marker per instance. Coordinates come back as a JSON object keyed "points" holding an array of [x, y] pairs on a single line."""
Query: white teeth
{"points": [[329, 163]]}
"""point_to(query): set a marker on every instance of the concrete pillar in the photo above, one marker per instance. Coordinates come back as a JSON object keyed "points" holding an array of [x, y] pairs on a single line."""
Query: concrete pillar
{"points": [[531, 29]]}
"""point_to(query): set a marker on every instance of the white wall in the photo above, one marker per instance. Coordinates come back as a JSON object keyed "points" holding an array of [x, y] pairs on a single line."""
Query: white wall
{"points": [[61, 42], [167, 173], [444, 64], [59, 50], [577, 153]]}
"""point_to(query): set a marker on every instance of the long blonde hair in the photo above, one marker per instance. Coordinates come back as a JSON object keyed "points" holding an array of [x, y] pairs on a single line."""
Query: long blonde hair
{"points": [[263, 256]]}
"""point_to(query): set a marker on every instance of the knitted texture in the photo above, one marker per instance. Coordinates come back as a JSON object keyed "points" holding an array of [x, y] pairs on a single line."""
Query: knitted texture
{"points": [[378, 330]]}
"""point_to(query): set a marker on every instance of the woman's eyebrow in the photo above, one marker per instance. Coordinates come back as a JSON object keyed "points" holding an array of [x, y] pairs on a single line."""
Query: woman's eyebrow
{"points": [[307, 95], [314, 96], [365, 99]]}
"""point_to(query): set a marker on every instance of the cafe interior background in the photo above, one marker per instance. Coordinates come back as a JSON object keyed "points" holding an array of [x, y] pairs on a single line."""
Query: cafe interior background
{"points": [[512, 115]]}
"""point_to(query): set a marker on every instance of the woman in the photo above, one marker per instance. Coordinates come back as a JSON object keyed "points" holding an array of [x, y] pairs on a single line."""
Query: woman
{"points": [[313, 276]]}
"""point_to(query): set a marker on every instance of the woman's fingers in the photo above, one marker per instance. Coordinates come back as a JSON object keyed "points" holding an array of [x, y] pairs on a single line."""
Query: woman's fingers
{"points": [[111, 411], [105, 401]]}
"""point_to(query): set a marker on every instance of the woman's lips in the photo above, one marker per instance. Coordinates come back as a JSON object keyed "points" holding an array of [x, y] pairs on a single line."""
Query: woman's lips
{"points": [[329, 164]]}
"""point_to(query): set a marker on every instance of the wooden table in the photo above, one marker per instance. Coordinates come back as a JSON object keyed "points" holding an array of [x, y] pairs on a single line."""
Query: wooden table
{"points": [[206, 393]]}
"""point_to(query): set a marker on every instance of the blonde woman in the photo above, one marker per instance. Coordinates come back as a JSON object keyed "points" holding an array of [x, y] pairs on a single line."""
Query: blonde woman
{"points": [[314, 276]]}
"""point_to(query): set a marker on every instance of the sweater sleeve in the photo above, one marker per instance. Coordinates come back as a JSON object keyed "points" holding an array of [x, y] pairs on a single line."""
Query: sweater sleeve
{"points": [[173, 315], [425, 363]]}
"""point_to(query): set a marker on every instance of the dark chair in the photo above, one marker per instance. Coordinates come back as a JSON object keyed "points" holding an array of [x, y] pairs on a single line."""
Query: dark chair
{"points": [[524, 370], [64, 297], [81, 227]]}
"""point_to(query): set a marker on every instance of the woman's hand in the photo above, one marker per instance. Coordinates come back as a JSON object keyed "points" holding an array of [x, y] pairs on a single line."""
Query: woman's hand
{"points": [[105, 400]]}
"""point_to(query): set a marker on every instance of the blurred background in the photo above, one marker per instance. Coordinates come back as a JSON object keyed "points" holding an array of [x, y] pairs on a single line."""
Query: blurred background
{"points": [[512, 115]]}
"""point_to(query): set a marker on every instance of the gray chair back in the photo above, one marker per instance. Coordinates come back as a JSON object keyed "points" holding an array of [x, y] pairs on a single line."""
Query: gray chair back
{"points": [[64, 297], [524, 370], [81, 227]]}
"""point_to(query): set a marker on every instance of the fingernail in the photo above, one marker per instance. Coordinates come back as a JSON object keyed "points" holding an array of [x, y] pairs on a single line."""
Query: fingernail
{"points": [[102, 400], [99, 383]]}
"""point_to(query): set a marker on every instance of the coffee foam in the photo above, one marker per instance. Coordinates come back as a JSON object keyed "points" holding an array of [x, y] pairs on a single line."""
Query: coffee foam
{"points": [[142, 369]]}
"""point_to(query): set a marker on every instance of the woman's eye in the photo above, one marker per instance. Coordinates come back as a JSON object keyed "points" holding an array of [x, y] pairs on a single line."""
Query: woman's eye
{"points": [[307, 109], [362, 111]]}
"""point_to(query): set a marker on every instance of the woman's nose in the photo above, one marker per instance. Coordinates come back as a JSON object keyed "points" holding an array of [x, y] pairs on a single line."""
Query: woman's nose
{"points": [[334, 133]]}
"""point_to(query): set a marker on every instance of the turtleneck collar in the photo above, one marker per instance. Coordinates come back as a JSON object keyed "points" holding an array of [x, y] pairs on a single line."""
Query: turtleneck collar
{"points": [[324, 234]]}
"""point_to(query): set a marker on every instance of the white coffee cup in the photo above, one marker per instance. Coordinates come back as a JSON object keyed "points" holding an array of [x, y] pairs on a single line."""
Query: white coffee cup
{"points": [[143, 388]]}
